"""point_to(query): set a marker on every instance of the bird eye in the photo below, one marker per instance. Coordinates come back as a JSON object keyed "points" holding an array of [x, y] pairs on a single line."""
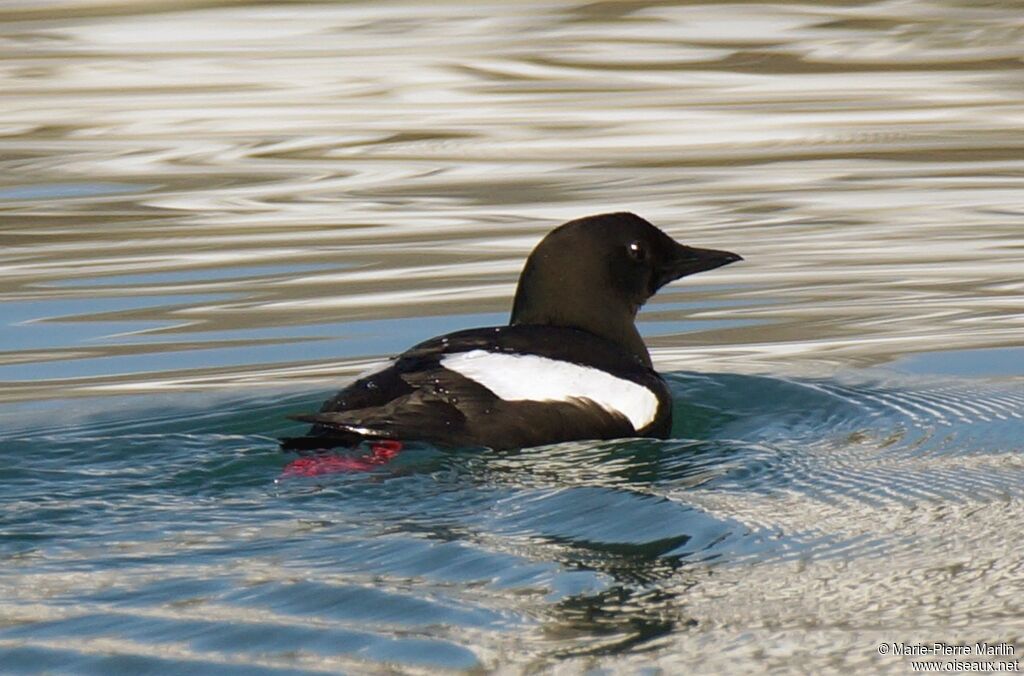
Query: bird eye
{"points": [[637, 251]]}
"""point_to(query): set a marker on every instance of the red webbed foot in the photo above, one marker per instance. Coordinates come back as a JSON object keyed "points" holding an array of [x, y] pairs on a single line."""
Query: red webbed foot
{"points": [[380, 453]]}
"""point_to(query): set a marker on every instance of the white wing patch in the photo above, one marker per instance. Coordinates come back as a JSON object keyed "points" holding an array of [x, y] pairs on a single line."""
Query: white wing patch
{"points": [[523, 377]]}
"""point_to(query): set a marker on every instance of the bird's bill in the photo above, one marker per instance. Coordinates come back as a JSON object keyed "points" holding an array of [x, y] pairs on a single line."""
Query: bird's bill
{"points": [[689, 260]]}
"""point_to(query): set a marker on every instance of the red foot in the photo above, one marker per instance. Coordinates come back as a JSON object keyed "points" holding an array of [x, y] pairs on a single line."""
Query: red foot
{"points": [[381, 453]]}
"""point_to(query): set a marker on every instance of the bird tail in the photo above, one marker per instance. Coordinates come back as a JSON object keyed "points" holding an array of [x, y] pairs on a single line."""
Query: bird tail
{"points": [[315, 442], [328, 432]]}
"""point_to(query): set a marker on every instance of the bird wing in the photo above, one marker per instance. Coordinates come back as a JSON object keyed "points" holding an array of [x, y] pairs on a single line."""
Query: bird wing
{"points": [[429, 406], [416, 399], [448, 409]]}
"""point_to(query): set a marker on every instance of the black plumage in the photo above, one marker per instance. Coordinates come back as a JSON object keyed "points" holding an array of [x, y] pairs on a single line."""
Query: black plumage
{"points": [[576, 302]]}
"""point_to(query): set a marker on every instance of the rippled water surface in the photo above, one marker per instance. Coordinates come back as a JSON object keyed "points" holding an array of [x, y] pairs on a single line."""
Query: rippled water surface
{"points": [[213, 216]]}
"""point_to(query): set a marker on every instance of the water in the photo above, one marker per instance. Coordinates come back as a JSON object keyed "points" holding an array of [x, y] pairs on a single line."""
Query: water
{"points": [[212, 216]]}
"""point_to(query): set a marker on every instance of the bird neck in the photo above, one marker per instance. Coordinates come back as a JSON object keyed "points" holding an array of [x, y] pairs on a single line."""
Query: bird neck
{"points": [[609, 325]]}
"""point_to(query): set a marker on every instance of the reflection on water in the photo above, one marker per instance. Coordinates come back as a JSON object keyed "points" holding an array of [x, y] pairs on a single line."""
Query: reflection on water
{"points": [[253, 199], [300, 167], [785, 512]]}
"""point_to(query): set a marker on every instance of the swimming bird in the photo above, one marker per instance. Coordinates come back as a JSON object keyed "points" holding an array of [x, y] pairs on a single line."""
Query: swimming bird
{"points": [[569, 365]]}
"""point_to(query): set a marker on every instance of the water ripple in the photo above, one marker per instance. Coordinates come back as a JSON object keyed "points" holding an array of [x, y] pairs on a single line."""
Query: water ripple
{"points": [[170, 533], [210, 215]]}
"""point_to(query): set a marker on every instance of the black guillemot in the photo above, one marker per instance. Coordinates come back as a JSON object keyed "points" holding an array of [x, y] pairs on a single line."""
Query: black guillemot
{"points": [[570, 365]]}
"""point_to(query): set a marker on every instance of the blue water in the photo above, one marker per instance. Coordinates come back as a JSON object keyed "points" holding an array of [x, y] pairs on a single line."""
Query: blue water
{"points": [[213, 216], [151, 537]]}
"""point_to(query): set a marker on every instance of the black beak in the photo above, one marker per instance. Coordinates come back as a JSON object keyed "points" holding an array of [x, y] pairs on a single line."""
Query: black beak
{"points": [[688, 260]]}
